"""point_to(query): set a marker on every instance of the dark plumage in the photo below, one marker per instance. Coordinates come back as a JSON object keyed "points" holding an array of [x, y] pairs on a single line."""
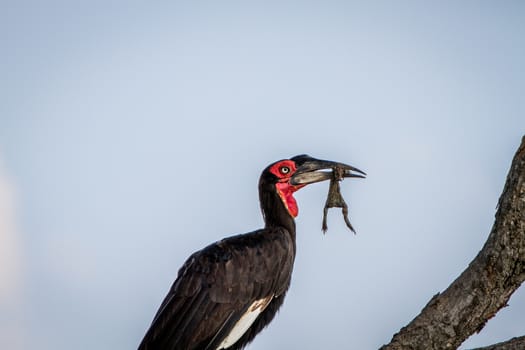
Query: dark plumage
{"points": [[219, 284]]}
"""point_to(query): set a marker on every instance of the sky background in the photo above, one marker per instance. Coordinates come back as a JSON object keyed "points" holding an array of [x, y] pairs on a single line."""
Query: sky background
{"points": [[133, 134]]}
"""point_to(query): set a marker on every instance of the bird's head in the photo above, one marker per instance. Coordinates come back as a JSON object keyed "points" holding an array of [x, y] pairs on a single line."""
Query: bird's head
{"points": [[286, 176]]}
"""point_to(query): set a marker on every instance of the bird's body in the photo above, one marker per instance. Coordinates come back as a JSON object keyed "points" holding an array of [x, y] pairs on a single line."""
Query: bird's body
{"points": [[229, 291]]}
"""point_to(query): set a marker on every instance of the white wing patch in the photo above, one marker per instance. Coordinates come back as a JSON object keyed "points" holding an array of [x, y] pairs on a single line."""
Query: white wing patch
{"points": [[245, 322]]}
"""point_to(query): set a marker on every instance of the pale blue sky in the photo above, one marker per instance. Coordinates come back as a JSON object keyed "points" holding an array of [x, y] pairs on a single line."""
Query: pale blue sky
{"points": [[133, 133]]}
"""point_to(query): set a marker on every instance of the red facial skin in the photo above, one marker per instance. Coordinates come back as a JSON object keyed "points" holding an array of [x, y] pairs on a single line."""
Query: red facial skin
{"points": [[284, 171]]}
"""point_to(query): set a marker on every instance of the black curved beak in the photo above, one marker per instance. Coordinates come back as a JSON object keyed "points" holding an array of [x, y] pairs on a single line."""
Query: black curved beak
{"points": [[310, 170]]}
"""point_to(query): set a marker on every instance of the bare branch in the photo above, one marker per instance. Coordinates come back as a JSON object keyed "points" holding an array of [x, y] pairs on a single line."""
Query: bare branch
{"points": [[517, 343], [485, 286]]}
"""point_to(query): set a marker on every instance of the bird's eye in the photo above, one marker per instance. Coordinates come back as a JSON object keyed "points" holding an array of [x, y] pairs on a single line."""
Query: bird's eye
{"points": [[284, 170]]}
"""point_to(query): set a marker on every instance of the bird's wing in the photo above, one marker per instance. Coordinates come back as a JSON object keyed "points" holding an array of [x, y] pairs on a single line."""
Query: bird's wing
{"points": [[215, 288]]}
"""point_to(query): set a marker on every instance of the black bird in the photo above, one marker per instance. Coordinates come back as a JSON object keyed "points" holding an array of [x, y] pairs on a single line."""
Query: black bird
{"points": [[229, 291]]}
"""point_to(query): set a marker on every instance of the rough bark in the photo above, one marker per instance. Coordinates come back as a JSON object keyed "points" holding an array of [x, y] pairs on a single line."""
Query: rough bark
{"points": [[485, 286], [512, 344]]}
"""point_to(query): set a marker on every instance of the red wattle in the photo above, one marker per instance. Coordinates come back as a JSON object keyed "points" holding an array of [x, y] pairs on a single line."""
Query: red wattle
{"points": [[286, 191]]}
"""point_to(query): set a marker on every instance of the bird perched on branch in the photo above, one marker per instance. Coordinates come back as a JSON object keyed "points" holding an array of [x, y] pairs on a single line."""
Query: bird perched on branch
{"points": [[226, 293]]}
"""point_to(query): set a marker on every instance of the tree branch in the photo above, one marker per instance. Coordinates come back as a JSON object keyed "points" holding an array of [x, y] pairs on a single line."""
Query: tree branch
{"points": [[517, 343], [485, 286]]}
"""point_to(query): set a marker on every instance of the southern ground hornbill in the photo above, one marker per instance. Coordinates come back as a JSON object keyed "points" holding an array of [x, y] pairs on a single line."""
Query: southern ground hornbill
{"points": [[229, 291]]}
